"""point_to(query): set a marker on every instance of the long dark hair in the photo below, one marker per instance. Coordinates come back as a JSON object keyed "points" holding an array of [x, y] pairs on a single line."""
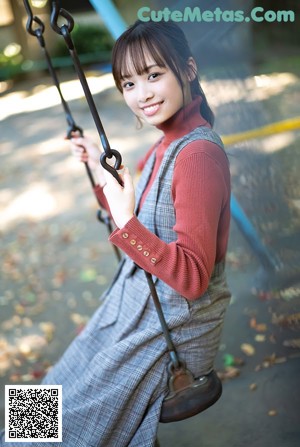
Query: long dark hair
{"points": [[167, 44]]}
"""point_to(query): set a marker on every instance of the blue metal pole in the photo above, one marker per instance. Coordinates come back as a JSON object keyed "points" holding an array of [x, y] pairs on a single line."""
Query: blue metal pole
{"points": [[251, 235], [111, 16]]}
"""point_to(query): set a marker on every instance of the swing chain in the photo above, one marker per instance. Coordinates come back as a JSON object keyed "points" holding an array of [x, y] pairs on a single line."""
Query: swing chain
{"points": [[175, 363], [38, 33], [65, 31], [72, 126]]}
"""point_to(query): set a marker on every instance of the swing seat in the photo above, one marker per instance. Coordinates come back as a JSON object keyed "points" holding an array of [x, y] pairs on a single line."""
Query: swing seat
{"points": [[189, 396]]}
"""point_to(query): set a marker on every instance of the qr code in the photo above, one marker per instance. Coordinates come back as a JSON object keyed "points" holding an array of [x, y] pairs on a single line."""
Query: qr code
{"points": [[33, 413]]}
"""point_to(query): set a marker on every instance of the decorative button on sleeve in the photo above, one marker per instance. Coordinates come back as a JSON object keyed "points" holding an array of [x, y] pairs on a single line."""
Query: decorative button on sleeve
{"points": [[142, 246]]}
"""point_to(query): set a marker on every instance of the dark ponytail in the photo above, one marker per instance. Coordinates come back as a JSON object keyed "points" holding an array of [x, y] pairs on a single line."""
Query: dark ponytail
{"points": [[205, 110]]}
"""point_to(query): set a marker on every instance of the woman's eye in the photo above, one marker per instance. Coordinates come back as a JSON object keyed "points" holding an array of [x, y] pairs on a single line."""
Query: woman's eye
{"points": [[153, 76], [127, 85]]}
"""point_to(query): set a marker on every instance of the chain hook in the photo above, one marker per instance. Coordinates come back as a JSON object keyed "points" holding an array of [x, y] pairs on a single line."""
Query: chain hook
{"points": [[112, 169], [57, 11], [38, 32], [65, 32]]}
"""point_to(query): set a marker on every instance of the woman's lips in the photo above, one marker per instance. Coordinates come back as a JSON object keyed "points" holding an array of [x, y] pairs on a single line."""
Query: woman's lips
{"points": [[152, 109]]}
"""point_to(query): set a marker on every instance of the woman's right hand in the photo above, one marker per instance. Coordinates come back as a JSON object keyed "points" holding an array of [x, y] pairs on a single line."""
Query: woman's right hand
{"points": [[85, 150]]}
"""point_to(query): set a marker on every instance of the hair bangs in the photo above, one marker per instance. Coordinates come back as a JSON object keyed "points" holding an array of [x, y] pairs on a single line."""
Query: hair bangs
{"points": [[130, 57]]}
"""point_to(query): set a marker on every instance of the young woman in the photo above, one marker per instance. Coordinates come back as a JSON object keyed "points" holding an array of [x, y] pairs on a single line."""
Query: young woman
{"points": [[175, 226]]}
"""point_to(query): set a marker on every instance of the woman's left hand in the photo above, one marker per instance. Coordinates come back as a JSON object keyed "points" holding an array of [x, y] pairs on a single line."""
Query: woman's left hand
{"points": [[121, 199]]}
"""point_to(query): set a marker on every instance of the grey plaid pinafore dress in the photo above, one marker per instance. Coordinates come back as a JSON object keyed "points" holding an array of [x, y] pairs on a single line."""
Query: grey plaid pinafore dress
{"points": [[114, 374]]}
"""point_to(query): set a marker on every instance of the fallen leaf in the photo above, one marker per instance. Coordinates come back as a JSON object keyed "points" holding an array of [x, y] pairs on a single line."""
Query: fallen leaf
{"points": [[27, 377], [88, 275], [290, 293], [260, 338], [280, 360], [273, 360], [31, 346], [292, 343], [79, 319], [248, 349], [290, 321], [261, 327], [230, 373], [48, 329], [228, 360], [238, 361], [15, 377]]}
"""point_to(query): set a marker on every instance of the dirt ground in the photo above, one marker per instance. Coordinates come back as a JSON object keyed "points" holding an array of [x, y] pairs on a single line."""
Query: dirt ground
{"points": [[56, 260]]}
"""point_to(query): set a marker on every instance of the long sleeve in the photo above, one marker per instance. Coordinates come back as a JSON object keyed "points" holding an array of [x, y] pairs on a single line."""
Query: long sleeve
{"points": [[201, 192], [98, 190]]}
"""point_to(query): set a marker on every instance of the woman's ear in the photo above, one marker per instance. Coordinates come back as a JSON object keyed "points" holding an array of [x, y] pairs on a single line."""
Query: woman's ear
{"points": [[191, 69]]}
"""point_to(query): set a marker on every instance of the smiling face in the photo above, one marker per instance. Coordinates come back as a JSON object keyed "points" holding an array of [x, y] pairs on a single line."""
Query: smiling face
{"points": [[154, 95]]}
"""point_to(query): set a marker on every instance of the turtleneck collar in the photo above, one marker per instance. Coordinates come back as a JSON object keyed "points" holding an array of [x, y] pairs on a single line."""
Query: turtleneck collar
{"points": [[184, 121]]}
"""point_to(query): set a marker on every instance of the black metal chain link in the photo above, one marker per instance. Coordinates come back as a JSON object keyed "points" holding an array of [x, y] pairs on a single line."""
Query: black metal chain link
{"points": [[38, 32], [65, 31]]}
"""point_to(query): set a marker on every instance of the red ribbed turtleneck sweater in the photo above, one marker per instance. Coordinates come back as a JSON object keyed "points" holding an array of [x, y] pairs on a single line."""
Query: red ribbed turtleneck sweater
{"points": [[201, 195]]}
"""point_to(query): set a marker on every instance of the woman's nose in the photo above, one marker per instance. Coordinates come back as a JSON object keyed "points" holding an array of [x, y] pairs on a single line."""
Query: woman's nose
{"points": [[144, 93]]}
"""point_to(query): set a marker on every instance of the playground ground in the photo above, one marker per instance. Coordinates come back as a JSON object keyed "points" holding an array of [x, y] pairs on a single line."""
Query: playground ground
{"points": [[56, 262]]}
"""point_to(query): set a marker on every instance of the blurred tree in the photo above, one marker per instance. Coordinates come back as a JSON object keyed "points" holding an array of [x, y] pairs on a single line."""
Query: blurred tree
{"points": [[279, 36], [77, 5], [87, 39]]}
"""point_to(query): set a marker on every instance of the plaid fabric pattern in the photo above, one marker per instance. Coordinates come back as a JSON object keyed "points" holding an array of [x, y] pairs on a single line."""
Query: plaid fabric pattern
{"points": [[114, 373]]}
